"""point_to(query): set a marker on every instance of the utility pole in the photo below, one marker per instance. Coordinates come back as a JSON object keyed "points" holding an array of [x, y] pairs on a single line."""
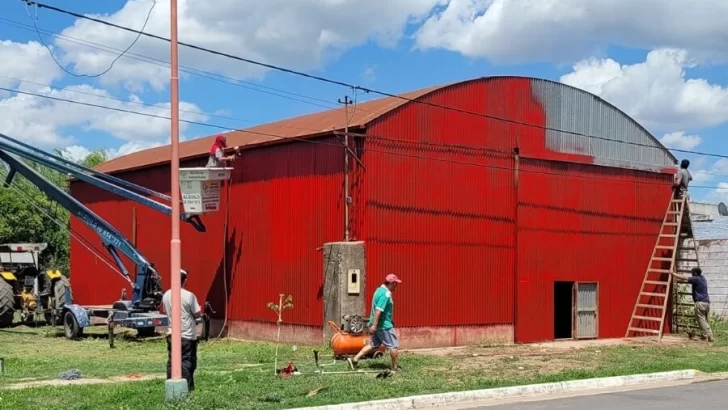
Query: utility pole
{"points": [[347, 198], [176, 387]]}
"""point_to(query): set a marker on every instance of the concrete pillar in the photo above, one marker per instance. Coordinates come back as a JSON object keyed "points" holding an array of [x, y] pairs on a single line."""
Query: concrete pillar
{"points": [[344, 283]]}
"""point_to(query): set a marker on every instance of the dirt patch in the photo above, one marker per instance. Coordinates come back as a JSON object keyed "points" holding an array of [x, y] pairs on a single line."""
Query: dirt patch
{"points": [[517, 366], [79, 382], [548, 348], [525, 361]]}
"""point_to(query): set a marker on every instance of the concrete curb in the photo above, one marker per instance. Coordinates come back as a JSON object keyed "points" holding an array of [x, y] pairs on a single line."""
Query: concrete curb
{"points": [[502, 393]]}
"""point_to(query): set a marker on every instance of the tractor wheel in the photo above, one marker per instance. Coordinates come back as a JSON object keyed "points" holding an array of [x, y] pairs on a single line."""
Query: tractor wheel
{"points": [[71, 328], [7, 304], [61, 287]]}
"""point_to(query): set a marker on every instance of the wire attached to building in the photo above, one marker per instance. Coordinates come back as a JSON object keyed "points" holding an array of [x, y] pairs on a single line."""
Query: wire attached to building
{"points": [[35, 20], [310, 141], [336, 82], [185, 69]]}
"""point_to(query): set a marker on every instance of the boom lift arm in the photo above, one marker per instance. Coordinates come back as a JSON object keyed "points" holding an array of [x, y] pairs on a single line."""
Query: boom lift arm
{"points": [[146, 289], [100, 180]]}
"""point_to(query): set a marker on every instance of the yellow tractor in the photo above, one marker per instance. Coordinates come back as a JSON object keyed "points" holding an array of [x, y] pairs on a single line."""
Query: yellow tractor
{"points": [[25, 291]]}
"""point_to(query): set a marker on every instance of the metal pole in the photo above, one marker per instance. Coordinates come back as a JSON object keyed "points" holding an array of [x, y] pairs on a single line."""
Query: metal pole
{"points": [[175, 245], [346, 103]]}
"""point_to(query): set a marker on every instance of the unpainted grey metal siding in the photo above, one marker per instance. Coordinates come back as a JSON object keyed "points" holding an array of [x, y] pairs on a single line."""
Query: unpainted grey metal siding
{"points": [[596, 128]]}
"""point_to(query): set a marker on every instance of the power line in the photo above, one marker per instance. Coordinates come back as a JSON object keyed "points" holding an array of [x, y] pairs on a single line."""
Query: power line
{"points": [[35, 20], [26, 197], [108, 97], [186, 69], [356, 88], [353, 86], [368, 149]]}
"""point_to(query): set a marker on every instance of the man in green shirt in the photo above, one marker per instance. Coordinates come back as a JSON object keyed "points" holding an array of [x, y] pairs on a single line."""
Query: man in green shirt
{"points": [[381, 325]]}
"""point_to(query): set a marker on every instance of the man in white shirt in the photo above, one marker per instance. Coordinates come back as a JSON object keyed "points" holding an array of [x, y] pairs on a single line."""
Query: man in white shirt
{"points": [[190, 309]]}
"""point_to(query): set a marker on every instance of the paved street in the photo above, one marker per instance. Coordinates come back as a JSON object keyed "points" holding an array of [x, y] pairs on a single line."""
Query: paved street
{"points": [[709, 395]]}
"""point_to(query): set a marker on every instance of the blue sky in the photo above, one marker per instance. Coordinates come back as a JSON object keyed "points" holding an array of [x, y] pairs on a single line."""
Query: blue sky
{"points": [[671, 78]]}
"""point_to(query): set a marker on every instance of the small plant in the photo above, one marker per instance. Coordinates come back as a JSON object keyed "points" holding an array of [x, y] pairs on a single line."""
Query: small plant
{"points": [[284, 302]]}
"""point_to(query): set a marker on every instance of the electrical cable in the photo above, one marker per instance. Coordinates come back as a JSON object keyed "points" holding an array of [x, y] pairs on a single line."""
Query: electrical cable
{"points": [[183, 68], [89, 247], [108, 97], [357, 88], [307, 140], [338, 82], [224, 259], [35, 20], [310, 141]]}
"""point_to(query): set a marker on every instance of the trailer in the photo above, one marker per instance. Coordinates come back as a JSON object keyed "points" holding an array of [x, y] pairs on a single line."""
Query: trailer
{"points": [[141, 311]]}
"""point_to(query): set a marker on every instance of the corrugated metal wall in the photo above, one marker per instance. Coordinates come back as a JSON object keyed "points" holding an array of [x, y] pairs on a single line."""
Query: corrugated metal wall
{"points": [[584, 223], [286, 202], [440, 207], [439, 203]]}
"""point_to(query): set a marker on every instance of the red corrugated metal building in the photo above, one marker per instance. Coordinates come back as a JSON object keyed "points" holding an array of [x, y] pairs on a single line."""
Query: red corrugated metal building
{"points": [[487, 209]]}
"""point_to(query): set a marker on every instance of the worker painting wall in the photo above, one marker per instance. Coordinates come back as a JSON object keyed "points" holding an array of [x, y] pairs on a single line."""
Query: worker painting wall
{"points": [[480, 210]]}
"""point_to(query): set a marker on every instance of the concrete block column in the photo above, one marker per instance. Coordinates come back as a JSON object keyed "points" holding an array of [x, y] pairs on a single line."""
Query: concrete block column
{"points": [[344, 283]]}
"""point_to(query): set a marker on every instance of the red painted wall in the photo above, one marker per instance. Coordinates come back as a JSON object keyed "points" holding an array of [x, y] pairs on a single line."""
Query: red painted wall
{"points": [[584, 223], [286, 202], [438, 202], [446, 228]]}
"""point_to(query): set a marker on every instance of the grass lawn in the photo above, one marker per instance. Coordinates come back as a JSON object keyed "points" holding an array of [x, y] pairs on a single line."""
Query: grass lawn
{"points": [[239, 375]]}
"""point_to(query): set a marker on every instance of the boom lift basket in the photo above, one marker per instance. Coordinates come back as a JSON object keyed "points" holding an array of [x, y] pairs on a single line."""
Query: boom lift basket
{"points": [[200, 189]]}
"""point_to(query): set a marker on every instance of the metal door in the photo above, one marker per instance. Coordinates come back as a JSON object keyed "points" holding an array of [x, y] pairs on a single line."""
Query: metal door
{"points": [[586, 307]]}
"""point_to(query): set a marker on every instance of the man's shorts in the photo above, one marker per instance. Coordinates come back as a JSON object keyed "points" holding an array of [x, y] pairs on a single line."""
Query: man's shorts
{"points": [[385, 337]]}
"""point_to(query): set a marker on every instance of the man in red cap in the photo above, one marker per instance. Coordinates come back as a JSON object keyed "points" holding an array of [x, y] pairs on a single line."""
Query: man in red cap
{"points": [[217, 156], [381, 325]]}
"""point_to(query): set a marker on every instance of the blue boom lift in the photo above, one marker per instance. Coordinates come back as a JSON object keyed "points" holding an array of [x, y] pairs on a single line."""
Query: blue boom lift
{"points": [[142, 311]]}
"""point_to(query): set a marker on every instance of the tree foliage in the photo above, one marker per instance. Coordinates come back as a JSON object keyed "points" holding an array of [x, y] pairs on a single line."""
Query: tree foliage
{"points": [[27, 215]]}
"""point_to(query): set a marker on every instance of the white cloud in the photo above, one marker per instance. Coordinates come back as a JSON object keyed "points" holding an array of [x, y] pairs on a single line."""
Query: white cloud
{"points": [[132, 147], [655, 92], [302, 34], [25, 61], [680, 140], [721, 166], [42, 121], [567, 30], [79, 152], [720, 194], [76, 152], [701, 176]]}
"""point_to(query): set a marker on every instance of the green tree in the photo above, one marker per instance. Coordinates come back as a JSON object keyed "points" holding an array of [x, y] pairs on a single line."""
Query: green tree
{"points": [[28, 215]]}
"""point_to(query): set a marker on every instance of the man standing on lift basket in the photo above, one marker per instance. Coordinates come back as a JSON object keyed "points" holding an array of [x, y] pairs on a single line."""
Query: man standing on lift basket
{"points": [[217, 158], [381, 325]]}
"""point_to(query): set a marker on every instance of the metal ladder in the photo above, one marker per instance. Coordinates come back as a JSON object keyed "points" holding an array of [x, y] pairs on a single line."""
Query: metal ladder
{"points": [[650, 309]]}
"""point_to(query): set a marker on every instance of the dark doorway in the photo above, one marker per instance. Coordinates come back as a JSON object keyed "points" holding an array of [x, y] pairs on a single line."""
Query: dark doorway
{"points": [[563, 310]]}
